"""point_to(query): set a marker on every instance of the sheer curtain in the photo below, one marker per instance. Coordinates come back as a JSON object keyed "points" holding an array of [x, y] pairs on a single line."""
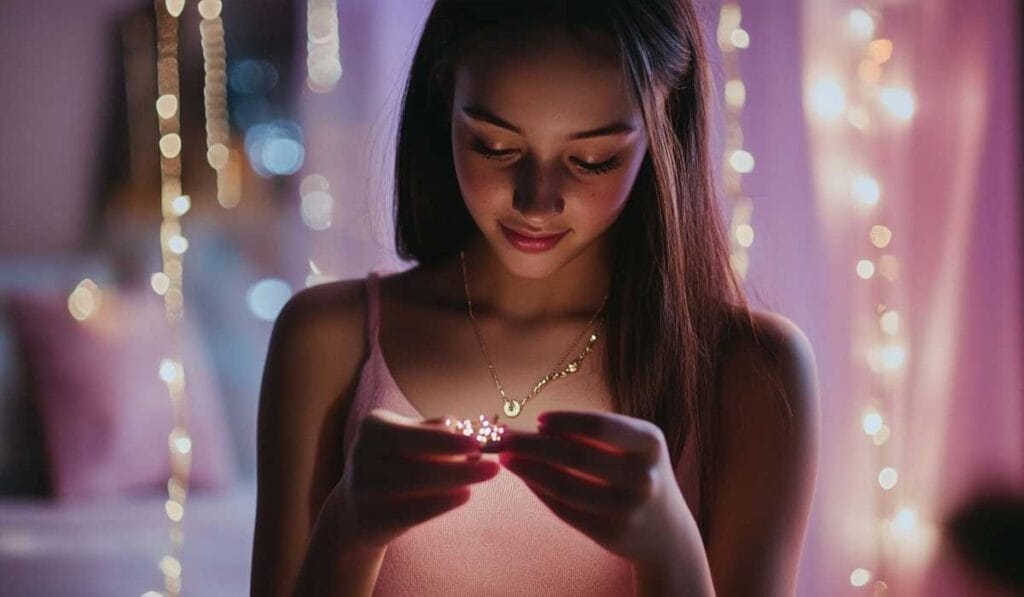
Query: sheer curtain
{"points": [[944, 182]]}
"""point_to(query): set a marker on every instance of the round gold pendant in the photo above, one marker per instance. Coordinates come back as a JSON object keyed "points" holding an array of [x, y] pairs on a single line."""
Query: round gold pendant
{"points": [[512, 408]]}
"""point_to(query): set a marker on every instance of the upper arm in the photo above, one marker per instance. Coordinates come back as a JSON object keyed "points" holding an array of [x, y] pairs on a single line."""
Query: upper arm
{"points": [[310, 371], [768, 460]]}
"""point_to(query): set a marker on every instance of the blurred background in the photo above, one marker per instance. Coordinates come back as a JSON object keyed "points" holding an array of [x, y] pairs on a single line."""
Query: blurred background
{"points": [[870, 159]]}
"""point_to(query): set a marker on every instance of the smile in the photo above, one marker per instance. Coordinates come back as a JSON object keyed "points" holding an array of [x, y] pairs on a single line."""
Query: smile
{"points": [[530, 244]]}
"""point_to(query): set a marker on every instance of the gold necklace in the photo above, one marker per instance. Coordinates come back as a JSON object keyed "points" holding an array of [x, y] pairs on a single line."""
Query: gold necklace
{"points": [[512, 407]]}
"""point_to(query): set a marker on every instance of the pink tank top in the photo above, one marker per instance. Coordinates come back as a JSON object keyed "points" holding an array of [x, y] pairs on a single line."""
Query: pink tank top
{"points": [[504, 540]]}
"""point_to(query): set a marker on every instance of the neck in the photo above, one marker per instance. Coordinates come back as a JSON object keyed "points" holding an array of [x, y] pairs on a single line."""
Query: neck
{"points": [[575, 290]]}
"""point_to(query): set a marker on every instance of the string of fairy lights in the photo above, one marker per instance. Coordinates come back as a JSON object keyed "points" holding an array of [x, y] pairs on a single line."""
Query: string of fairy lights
{"points": [[168, 283], [323, 71], [870, 102], [219, 156], [737, 160]]}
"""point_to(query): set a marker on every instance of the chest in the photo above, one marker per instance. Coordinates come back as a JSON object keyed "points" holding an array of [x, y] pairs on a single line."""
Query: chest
{"points": [[438, 364]]}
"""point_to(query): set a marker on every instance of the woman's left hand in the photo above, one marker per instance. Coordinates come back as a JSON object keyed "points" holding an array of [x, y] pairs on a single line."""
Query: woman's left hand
{"points": [[606, 474]]}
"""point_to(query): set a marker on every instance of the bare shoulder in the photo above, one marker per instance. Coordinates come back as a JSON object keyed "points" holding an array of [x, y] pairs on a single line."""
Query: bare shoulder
{"points": [[319, 311], [317, 344], [768, 437], [767, 364]]}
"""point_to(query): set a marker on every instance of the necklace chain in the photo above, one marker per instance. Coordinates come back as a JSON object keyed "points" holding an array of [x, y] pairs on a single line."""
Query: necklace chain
{"points": [[513, 407]]}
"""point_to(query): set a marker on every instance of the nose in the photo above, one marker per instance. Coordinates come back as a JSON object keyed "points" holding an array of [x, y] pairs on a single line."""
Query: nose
{"points": [[537, 195]]}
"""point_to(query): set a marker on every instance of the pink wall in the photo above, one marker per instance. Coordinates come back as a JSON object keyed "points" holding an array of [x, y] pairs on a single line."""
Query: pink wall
{"points": [[54, 64]]}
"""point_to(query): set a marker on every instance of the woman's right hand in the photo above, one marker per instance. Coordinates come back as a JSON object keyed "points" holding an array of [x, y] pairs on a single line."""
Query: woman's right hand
{"points": [[403, 472]]}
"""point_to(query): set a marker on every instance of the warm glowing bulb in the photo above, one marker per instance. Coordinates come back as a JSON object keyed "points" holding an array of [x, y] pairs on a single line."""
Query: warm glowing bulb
{"points": [[178, 244], [865, 269], [218, 156], [904, 520], [735, 93], [880, 50], [170, 566], [828, 99], [898, 102], [880, 236], [741, 161], [316, 209], [887, 478], [170, 145], [860, 577], [168, 370], [893, 356], [209, 9], [872, 423], [160, 283], [313, 183], [745, 235], [84, 300], [174, 7], [866, 190], [175, 511], [740, 38], [861, 23], [324, 73], [321, 23], [183, 445], [167, 105], [181, 204]]}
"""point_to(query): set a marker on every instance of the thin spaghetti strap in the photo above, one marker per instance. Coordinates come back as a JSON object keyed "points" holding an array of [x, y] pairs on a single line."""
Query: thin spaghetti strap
{"points": [[372, 307]]}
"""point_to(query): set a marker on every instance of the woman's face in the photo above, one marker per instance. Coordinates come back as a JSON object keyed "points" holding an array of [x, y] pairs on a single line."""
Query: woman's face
{"points": [[547, 138]]}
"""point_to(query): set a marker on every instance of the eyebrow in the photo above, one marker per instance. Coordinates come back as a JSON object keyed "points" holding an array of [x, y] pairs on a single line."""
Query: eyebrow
{"points": [[480, 113]]}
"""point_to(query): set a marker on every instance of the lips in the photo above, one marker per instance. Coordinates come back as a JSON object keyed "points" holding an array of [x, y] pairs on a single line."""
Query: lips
{"points": [[531, 243]]}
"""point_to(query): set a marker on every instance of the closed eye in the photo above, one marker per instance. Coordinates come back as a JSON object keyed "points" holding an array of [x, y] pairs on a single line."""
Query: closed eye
{"points": [[601, 168], [585, 167], [491, 154]]}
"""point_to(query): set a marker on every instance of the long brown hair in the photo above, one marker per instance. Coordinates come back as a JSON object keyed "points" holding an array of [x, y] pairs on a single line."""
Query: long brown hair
{"points": [[674, 297]]}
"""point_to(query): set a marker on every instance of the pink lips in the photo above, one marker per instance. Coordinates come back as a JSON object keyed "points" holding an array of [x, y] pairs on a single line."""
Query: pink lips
{"points": [[530, 244]]}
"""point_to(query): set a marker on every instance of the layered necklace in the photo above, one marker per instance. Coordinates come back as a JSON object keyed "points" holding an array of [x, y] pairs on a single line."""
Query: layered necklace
{"points": [[512, 407]]}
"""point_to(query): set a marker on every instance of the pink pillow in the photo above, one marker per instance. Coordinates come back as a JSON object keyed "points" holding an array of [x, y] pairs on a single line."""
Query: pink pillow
{"points": [[105, 412]]}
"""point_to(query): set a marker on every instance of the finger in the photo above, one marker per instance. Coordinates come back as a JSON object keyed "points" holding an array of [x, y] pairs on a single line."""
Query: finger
{"points": [[569, 488], [397, 476], [625, 470], [599, 527], [624, 433], [384, 432], [499, 445]]}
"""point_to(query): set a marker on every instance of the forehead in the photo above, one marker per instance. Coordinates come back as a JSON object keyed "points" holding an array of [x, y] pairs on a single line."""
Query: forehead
{"points": [[547, 78]]}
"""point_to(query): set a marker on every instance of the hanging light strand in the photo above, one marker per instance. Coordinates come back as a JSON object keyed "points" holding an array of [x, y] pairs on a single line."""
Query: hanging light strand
{"points": [[869, 107], [323, 64], [323, 53], [168, 283], [732, 38], [215, 98]]}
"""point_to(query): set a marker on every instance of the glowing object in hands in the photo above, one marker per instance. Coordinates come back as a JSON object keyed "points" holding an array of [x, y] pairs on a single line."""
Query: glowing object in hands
{"points": [[485, 431]]}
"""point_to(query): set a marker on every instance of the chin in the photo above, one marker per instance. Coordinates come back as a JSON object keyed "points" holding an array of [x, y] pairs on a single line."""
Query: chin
{"points": [[531, 265]]}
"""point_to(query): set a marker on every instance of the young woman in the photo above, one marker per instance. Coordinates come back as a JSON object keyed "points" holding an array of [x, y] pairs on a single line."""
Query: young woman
{"points": [[554, 187]]}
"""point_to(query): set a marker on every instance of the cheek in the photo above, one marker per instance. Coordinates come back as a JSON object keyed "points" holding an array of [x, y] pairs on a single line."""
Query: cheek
{"points": [[600, 204], [482, 184], [603, 198]]}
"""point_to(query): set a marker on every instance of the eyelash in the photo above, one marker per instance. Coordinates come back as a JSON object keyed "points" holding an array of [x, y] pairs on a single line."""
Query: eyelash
{"points": [[602, 168]]}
